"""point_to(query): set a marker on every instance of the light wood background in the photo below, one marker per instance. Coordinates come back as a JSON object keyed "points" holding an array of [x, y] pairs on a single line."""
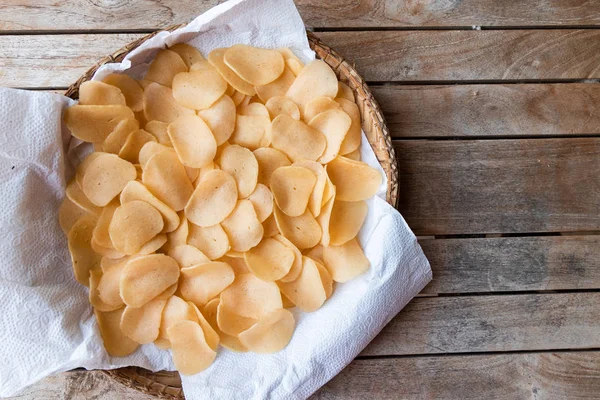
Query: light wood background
{"points": [[494, 108]]}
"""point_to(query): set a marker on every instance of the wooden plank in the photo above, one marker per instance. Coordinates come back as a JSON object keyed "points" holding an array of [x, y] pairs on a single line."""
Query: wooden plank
{"points": [[563, 375], [513, 264], [568, 376], [470, 55], [467, 324], [151, 14], [500, 186], [490, 110], [58, 60]]}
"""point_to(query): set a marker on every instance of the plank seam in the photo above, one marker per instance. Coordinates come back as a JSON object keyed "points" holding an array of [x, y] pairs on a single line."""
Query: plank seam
{"points": [[480, 353]]}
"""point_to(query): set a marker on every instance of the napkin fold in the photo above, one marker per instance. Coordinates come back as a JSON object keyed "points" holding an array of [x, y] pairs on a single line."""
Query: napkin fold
{"points": [[46, 322]]}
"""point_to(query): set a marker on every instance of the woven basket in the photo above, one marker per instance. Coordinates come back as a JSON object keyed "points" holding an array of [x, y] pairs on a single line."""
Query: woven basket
{"points": [[167, 385]]}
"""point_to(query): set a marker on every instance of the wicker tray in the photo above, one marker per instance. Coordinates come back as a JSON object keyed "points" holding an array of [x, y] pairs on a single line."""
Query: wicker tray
{"points": [[167, 385]]}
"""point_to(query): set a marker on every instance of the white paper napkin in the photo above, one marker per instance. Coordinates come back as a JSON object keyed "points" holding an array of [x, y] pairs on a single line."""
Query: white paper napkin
{"points": [[46, 323]]}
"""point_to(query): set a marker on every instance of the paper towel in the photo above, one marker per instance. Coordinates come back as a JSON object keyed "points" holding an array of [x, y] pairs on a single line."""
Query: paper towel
{"points": [[46, 323]]}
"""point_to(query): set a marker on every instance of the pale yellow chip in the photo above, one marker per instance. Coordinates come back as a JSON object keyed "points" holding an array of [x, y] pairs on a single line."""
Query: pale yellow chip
{"points": [[76, 195], [176, 310], [178, 236], [94, 297], [163, 68], [231, 323], [240, 163], [296, 267], [144, 83], [354, 155], [242, 226], [213, 200], [145, 277], [251, 297], [211, 240], [68, 214], [193, 173], [296, 139], [316, 253], [211, 336], [353, 136], [153, 244], [109, 252], [316, 197], [292, 187], [130, 88], [117, 138], [318, 105], [238, 98], [141, 324], [253, 109], [135, 190], [229, 342], [234, 254], [329, 190], [133, 145], [200, 283], [278, 87], [270, 227], [160, 105], [238, 264], [188, 256], [115, 342], [326, 279], [108, 285], [193, 141], [165, 176], [203, 65], [100, 93], [268, 161], [254, 65], [294, 65], [287, 303], [198, 89], [354, 180], [159, 130], [304, 231], [347, 217], [344, 92], [251, 131], [94, 123], [190, 55], [83, 257], [220, 118], [314, 80], [168, 293], [270, 260], [333, 124], [282, 105], [307, 291], [324, 219], [215, 58], [149, 149], [345, 262], [270, 334], [100, 235], [133, 224], [191, 353], [287, 53], [262, 200]]}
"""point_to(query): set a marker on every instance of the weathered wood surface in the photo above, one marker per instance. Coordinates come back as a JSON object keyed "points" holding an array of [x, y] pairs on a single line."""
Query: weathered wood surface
{"points": [[513, 264], [470, 55], [430, 111], [467, 324], [500, 186], [556, 376], [58, 60], [151, 14]]}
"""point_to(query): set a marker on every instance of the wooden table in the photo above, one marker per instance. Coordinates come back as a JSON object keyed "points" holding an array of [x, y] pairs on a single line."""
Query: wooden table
{"points": [[495, 111]]}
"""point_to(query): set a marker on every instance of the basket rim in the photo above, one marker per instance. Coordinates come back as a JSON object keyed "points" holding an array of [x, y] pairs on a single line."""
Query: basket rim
{"points": [[140, 382]]}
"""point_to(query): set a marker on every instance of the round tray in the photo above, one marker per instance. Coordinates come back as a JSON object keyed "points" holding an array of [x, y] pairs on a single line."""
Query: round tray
{"points": [[167, 385]]}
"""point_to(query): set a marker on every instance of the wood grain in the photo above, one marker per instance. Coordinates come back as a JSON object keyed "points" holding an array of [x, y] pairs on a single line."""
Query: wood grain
{"points": [[470, 55], [467, 324], [152, 14], [563, 375], [490, 110], [513, 264], [556, 376], [58, 60], [500, 186]]}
